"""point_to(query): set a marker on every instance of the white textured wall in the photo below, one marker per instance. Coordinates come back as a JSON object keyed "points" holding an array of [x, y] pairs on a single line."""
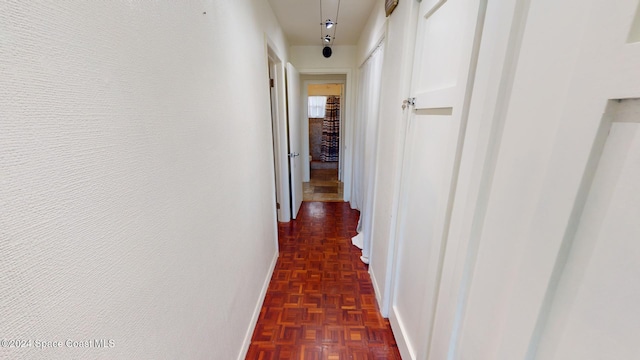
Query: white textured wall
{"points": [[310, 57], [136, 182], [373, 30]]}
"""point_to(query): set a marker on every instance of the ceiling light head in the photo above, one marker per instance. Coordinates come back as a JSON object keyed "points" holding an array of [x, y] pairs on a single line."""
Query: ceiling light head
{"points": [[328, 23], [327, 39]]}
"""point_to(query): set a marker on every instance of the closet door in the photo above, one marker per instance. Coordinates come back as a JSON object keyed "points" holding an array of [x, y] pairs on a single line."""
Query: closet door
{"points": [[556, 273], [445, 43], [594, 312], [295, 146]]}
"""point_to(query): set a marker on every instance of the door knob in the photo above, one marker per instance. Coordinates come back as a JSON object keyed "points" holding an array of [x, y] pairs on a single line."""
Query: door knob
{"points": [[408, 102]]}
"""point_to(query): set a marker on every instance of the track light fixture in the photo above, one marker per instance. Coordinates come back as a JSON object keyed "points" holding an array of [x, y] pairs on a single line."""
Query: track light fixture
{"points": [[327, 38]]}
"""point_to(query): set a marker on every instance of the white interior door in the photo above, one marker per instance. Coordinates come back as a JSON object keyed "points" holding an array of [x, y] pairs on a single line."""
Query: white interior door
{"points": [[295, 143], [595, 313], [555, 275], [444, 57], [592, 313]]}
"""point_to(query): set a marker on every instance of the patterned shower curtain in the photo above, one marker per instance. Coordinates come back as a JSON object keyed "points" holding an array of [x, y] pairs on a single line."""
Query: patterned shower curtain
{"points": [[331, 130]]}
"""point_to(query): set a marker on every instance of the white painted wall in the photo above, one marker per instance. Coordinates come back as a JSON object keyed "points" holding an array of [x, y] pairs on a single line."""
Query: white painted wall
{"points": [[136, 195], [324, 89], [310, 57], [373, 31]]}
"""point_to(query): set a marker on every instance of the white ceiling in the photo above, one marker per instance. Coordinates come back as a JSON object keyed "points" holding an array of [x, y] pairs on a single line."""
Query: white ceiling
{"points": [[300, 19]]}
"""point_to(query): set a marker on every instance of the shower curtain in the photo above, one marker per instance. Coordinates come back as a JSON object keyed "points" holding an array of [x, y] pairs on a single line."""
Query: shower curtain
{"points": [[331, 130]]}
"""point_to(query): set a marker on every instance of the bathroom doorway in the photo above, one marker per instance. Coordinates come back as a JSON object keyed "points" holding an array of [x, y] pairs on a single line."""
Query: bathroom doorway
{"points": [[324, 116]]}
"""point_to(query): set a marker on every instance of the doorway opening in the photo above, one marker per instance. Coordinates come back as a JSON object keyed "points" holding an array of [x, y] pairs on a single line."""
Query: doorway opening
{"points": [[274, 116], [277, 91], [324, 112]]}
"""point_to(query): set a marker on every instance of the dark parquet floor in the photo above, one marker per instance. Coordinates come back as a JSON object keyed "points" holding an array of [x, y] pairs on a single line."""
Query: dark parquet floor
{"points": [[320, 303]]}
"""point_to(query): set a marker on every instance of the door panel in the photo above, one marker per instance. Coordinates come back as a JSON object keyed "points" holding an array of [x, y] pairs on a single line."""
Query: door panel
{"points": [[556, 269], [444, 44], [595, 312], [441, 34], [421, 225], [295, 143]]}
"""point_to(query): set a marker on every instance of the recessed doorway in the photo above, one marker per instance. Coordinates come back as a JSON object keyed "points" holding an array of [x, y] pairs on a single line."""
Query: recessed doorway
{"points": [[324, 116]]}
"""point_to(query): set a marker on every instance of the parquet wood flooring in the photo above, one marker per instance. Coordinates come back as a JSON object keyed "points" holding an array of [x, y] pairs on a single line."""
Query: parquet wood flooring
{"points": [[320, 303]]}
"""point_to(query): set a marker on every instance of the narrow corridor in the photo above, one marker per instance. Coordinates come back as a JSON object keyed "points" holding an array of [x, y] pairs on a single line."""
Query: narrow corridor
{"points": [[320, 303]]}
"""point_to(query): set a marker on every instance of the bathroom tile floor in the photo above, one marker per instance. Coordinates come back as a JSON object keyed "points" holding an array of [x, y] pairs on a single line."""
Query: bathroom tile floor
{"points": [[324, 186]]}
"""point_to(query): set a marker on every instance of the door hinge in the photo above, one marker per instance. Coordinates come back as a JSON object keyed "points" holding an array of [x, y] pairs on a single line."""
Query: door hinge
{"points": [[277, 206], [271, 83]]}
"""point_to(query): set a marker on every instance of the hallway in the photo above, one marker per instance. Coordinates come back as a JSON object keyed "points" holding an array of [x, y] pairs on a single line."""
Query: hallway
{"points": [[320, 303], [148, 150]]}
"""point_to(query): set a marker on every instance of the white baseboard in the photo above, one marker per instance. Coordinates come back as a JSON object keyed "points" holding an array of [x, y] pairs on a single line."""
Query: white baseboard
{"points": [[256, 312], [399, 332], [376, 291]]}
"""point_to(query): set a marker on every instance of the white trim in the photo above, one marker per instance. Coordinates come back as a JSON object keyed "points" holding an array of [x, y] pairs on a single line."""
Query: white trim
{"points": [[273, 98], [256, 312], [432, 8], [400, 334], [376, 288], [347, 123], [306, 149], [280, 130]]}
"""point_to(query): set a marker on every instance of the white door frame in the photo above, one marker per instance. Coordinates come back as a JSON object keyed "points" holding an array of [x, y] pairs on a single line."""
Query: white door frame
{"points": [[281, 160], [274, 117], [346, 123], [306, 169]]}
